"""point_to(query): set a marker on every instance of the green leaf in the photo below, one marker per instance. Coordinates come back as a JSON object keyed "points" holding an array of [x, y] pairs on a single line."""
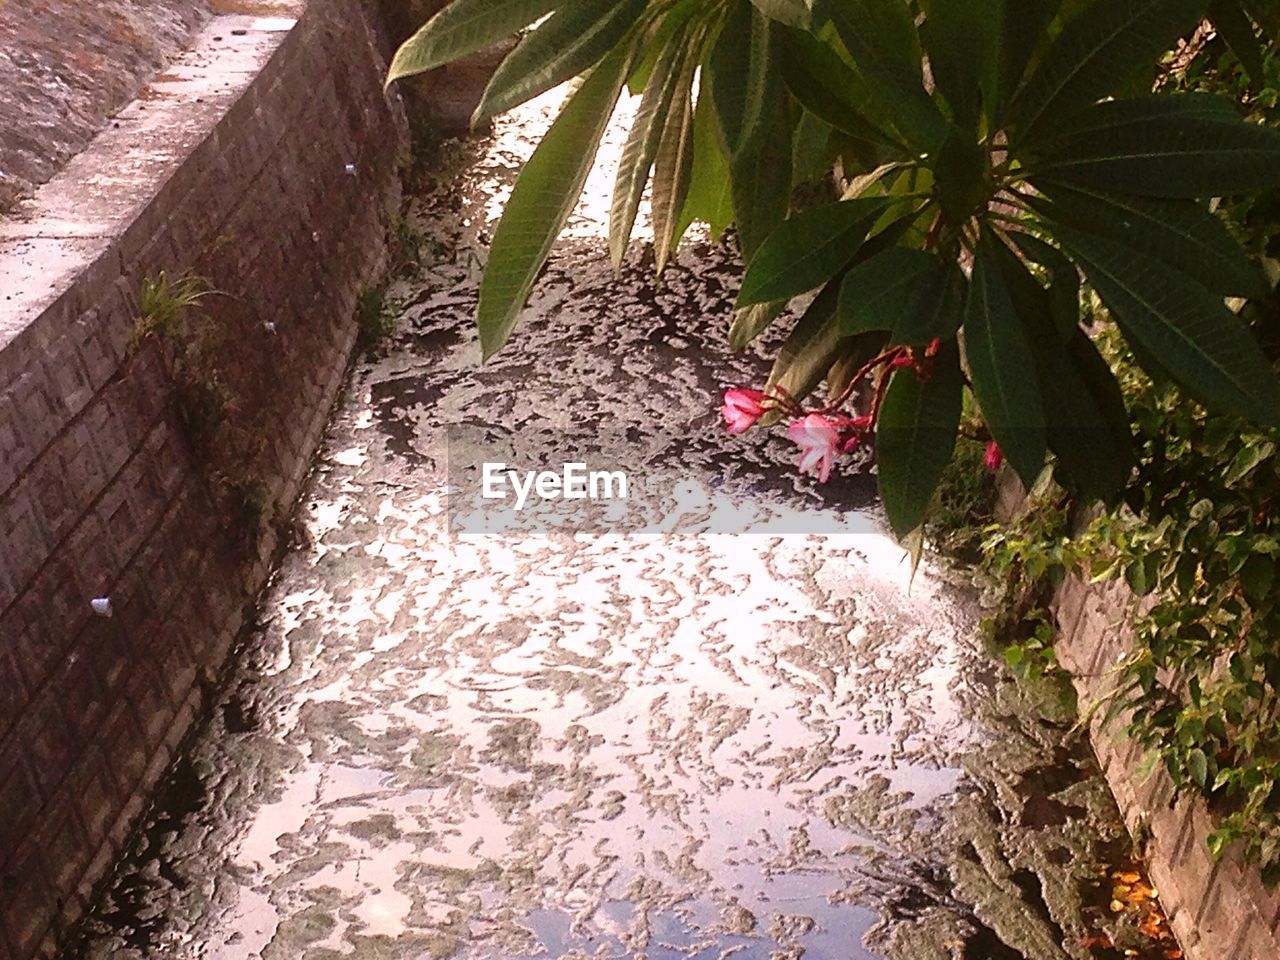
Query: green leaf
{"points": [[1087, 426], [828, 88], [672, 166], [1176, 146], [543, 197], [808, 249], [807, 353], [1234, 26], [1181, 233], [960, 173], [878, 293], [1001, 367], [710, 196], [963, 41], [935, 312], [642, 145], [880, 36], [1198, 766], [1064, 287], [1186, 328], [750, 322], [1098, 52], [794, 13], [1025, 25], [463, 27], [744, 82], [569, 42], [915, 438], [762, 186]]}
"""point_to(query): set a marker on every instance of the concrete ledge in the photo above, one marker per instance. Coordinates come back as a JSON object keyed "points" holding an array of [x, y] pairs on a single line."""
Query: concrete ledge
{"points": [[266, 160], [1217, 910]]}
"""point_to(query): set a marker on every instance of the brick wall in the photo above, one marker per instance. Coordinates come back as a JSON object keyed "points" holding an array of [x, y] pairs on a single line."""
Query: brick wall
{"points": [[1219, 911], [266, 161]]}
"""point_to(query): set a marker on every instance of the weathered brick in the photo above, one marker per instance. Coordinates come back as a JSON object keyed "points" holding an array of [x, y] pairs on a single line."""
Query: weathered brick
{"points": [[19, 800], [28, 902]]}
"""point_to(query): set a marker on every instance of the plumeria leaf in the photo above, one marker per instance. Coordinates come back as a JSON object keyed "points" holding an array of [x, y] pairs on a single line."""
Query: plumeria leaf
{"points": [[461, 28], [878, 293], [881, 37], [915, 438], [936, 311], [1022, 30], [672, 166], [710, 196], [828, 88], [1175, 146], [1181, 233], [1232, 23], [642, 145], [808, 249], [810, 349], [569, 42], [1064, 285], [1000, 366], [1087, 425], [963, 41], [1187, 329], [1098, 52], [543, 197], [744, 82], [750, 322], [794, 13]]}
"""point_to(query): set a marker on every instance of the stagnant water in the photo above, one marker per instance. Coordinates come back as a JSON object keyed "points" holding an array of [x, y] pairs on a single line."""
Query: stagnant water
{"points": [[617, 745]]}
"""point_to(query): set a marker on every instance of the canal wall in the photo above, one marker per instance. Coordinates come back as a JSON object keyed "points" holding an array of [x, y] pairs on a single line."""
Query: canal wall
{"points": [[157, 474], [1217, 909]]}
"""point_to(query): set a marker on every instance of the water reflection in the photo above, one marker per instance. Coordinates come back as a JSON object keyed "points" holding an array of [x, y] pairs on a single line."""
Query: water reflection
{"points": [[565, 745]]}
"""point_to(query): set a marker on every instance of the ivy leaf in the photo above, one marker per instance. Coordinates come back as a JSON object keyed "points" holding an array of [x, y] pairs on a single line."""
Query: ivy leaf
{"points": [[1174, 146], [915, 438], [543, 197], [461, 28], [1198, 766], [1181, 233], [808, 249], [1002, 367], [1197, 340], [569, 42], [1096, 54]]}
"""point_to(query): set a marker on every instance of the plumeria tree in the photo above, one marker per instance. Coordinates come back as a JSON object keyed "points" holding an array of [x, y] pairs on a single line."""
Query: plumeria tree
{"points": [[998, 160]]}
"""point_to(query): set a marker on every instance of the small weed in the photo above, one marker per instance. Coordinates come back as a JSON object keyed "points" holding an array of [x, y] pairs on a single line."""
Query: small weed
{"points": [[163, 303], [376, 317]]}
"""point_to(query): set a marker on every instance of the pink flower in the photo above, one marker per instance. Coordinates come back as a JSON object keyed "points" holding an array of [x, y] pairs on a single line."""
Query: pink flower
{"points": [[742, 408], [993, 457], [818, 439]]}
